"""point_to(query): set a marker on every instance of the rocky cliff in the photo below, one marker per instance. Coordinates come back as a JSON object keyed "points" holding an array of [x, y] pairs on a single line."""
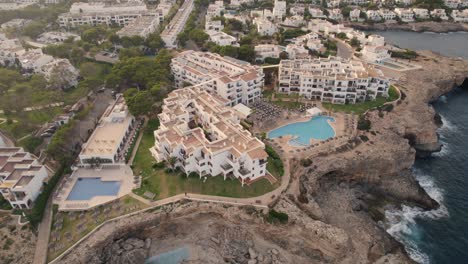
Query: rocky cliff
{"points": [[335, 205], [427, 26]]}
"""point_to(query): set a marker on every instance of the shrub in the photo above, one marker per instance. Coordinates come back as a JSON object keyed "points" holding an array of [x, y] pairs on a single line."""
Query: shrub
{"points": [[158, 165], [363, 123], [364, 138], [274, 217], [306, 162]]}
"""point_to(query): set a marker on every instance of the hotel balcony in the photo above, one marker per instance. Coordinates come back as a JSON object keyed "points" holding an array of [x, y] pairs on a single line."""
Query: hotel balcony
{"points": [[244, 171], [226, 168]]}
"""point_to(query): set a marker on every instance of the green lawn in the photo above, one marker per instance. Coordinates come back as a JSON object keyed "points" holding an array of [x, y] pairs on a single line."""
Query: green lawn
{"points": [[165, 184], [360, 108]]}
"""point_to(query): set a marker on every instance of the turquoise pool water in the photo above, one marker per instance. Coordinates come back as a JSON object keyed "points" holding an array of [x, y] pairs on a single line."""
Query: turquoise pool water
{"points": [[316, 128], [172, 257], [87, 188]]}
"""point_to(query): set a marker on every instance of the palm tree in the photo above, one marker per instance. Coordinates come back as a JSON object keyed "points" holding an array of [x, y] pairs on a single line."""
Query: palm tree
{"points": [[171, 161]]}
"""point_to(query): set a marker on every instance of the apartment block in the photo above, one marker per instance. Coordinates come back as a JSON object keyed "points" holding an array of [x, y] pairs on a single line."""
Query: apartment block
{"points": [[201, 135], [234, 80], [142, 26], [332, 79], [373, 15], [55, 37], [316, 13], [21, 177], [215, 9], [104, 13], [177, 24], [112, 136]]}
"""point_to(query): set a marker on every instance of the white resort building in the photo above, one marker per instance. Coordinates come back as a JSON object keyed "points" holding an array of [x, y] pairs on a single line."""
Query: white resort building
{"points": [[104, 13], [234, 80], [199, 134], [332, 79], [21, 177], [111, 138], [440, 13]]}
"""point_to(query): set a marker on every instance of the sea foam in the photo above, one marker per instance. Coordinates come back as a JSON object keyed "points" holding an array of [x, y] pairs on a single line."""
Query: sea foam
{"points": [[401, 224]]}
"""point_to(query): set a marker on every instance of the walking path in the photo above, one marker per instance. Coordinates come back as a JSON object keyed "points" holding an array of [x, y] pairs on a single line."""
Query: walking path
{"points": [[262, 202], [137, 143]]}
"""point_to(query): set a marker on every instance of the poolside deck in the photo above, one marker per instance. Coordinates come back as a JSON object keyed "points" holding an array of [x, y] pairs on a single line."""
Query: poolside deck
{"points": [[121, 173]]}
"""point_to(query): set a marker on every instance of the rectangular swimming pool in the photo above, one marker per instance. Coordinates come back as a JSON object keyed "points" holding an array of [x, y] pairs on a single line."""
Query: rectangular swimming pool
{"points": [[87, 188]]}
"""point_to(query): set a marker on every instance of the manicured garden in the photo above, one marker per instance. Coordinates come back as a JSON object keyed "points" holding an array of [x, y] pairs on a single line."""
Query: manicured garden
{"points": [[164, 183], [360, 108]]}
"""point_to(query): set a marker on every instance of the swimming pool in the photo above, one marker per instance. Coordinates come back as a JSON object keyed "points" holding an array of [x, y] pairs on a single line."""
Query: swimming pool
{"points": [[316, 128], [87, 188]]}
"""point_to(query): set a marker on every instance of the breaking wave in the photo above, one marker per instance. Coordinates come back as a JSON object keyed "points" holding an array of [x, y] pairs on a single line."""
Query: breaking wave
{"points": [[401, 223]]}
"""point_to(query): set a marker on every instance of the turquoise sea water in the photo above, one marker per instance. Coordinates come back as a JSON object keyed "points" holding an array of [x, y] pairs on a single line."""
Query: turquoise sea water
{"points": [[87, 188], [316, 128], [172, 257]]}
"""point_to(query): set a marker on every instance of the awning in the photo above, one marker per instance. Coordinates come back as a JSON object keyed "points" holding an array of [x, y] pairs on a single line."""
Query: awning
{"points": [[314, 111], [244, 110]]}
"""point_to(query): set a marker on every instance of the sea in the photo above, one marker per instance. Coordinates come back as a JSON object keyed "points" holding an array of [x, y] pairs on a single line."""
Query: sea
{"points": [[439, 236]]}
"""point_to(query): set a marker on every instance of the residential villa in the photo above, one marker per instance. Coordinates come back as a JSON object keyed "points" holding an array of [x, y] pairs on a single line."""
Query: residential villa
{"points": [[375, 54], [440, 13], [335, 14], [332, 79], [355, 14], [222, 39], [405, 14], [373, 15], [296, 51], [421, 13], [265, 27], [234, 80], [55, 37], [387, 14], [213, 25], [199, 134], [264, 51], [460, 16], [21, 177], [316, 13], [111, 138], [294, 21], [279, 9], [297, 10]]}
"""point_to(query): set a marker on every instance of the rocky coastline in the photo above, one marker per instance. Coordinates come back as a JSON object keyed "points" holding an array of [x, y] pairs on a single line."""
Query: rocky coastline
{"points": [[336, 205], [426, 26]]}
